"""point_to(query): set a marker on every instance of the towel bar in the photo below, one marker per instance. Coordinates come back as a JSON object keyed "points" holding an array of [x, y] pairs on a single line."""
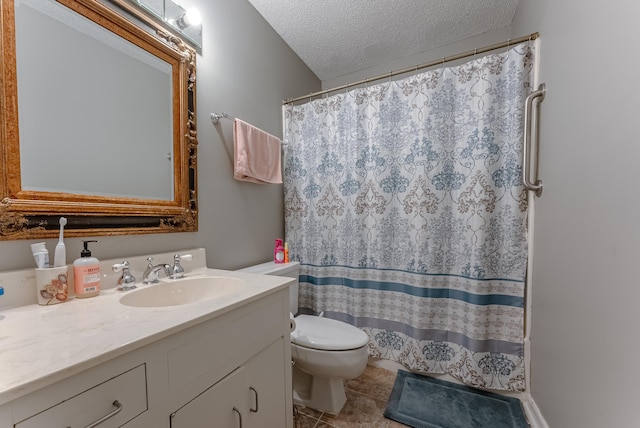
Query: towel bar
{"points": [[215, 117]]}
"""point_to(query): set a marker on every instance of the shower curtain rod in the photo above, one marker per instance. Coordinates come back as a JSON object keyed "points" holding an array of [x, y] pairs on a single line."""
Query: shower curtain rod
{"points": [[443, 60]]}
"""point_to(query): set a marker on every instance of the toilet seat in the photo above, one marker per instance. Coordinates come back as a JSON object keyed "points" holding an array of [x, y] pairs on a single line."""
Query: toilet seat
{"points": [[327, 334]]}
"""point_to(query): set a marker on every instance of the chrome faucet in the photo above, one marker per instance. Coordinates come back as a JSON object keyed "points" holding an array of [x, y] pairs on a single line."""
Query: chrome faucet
{"points": [[177, 271], [151, 273], [126, 281]]}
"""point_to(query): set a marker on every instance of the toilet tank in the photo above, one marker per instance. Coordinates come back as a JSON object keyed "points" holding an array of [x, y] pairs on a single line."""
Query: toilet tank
{"points": [[289, 270]]}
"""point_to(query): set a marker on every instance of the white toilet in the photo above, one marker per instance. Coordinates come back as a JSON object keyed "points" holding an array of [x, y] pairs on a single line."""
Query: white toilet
{"points": [[325, 352]]}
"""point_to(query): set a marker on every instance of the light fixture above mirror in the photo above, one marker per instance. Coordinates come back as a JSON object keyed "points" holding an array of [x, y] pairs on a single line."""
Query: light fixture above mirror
{"points": [[190, 18], [186, 22]]}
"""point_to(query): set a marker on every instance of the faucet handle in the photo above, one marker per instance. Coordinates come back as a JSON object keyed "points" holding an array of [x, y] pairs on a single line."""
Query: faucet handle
{"points": [[177, 271], [149, 262], [126, 281], [185, 257]]}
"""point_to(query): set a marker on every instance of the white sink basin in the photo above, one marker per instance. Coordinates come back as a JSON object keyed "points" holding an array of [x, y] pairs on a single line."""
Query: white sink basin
{"points": [[183, 291]]}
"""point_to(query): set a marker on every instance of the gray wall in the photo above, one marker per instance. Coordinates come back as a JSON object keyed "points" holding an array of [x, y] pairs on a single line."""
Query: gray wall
{"points": [[245, 70], [585, 278]]}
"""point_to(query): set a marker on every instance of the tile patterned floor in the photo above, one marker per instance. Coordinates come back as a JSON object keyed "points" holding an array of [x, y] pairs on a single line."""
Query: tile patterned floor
{"points": [[366, 400]]}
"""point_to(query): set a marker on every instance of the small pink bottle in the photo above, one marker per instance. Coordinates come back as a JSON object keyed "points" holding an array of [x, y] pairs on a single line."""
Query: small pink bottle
{"points": [[278, 252]]}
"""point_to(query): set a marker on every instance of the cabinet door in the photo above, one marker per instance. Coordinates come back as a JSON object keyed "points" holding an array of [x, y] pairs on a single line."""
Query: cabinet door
{"points": [[265, 374], [221, 406]]}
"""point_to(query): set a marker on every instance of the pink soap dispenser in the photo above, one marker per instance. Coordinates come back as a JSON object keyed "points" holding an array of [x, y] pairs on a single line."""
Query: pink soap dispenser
{"points": [[278, 252], [86, 273]]}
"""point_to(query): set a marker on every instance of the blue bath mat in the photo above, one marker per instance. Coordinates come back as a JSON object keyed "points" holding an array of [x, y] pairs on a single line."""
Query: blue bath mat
{"points": [[424, 402]]}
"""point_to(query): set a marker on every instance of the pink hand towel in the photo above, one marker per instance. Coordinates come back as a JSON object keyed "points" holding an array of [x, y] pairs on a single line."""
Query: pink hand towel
{"points": [[257, 155]]}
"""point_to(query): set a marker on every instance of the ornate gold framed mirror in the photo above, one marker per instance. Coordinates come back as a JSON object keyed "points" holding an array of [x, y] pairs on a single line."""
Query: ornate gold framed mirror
{"points": [[98, 122]]}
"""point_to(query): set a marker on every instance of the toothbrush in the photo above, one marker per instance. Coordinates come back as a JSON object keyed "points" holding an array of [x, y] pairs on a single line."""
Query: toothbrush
{"points": [[60, 258]]}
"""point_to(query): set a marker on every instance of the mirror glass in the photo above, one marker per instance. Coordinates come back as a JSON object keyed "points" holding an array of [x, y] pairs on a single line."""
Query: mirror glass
{"points": [[96, 125], [98, 121]]}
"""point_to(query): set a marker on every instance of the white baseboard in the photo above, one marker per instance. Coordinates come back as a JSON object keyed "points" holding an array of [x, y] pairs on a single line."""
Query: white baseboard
{"points": [[533, 413]]}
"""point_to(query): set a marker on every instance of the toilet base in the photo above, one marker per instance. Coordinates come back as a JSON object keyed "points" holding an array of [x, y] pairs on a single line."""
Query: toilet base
{"points": [[317, 392]]}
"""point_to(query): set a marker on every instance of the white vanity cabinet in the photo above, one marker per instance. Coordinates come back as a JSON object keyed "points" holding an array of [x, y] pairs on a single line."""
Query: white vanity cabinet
{"points": [[222, 405], [252, 396], [267, 388], [230, 368]]}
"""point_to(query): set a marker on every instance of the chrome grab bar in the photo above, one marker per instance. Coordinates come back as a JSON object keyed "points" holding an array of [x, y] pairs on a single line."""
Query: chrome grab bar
{"points": [[118, 409], [526, 146]]}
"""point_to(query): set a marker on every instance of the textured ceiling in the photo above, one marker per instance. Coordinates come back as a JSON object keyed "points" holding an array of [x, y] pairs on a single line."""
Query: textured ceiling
{"points": [[337, 37]]}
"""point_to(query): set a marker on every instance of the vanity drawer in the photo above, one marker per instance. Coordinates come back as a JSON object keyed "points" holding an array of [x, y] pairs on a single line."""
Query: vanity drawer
{"points": [[129, 389]]}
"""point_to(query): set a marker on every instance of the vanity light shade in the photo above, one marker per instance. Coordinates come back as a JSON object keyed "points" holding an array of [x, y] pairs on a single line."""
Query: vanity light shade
{"points": [[193, 16], [187, 23], [190, 17]]}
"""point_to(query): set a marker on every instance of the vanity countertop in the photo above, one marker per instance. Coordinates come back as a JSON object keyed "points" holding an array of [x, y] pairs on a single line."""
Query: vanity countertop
{"points": [[41, 345]]}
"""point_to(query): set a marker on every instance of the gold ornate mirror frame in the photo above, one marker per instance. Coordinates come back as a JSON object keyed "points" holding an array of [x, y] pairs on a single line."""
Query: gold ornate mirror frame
{"points": [[26, 214]]}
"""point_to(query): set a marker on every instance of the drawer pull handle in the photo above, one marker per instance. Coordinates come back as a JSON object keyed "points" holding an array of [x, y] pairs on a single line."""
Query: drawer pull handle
{"points": [[118, 409], [239, 416], [256, 393]]}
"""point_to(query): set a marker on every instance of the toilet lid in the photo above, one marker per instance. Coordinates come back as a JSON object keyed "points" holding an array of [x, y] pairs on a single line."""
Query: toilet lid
{"points": [[327, 334]]}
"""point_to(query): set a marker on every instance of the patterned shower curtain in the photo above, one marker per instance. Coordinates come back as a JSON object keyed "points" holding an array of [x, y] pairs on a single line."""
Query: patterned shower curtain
{"points": [[405, 208]]}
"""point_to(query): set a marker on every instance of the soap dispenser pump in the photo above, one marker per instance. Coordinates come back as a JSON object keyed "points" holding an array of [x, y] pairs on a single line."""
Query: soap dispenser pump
{"points": [[86, 273]]}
